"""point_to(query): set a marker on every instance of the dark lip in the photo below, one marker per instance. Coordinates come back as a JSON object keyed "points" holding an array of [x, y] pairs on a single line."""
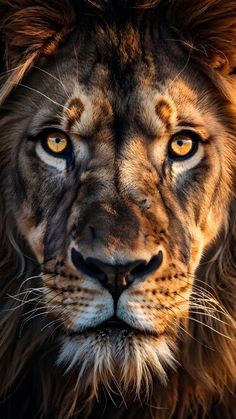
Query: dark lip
{"points": [[114, 324]]}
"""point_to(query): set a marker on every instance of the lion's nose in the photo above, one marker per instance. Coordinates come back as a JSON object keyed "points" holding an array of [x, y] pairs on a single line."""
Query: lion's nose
{"points": [[118, 277]]}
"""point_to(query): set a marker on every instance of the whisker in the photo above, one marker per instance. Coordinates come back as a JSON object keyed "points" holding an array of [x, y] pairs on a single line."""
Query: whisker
{"points": [[211, 304], [183, 69], [59, 78], [201, 281], [49, 309], [50, 324], [47, 304], [43, 95], [206, 293], [183, 329], [29, 279], [53, 77], [27, 291], [34, 277], [209, 327], [11, 70], [198, 298], [210, 316], [23, 302]]}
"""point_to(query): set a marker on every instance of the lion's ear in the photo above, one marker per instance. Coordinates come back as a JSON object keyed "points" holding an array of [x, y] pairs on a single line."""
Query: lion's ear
{"points": [[31, 29], [208, 27]]}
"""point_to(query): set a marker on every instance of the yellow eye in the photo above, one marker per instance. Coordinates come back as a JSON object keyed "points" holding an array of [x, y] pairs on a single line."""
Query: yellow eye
{"points": [[182, 145], [57, 142]]}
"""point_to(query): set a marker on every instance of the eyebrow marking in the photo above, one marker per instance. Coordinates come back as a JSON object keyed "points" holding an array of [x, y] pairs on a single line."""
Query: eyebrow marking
{"points": [[74, 112], [164, 112]]}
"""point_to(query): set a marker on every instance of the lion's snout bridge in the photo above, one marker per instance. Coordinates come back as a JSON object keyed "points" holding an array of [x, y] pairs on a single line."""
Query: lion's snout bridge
{"points": [[116, 277]]}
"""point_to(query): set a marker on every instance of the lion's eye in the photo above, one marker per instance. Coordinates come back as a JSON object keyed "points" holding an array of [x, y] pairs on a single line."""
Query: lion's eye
{"points": [[182, 146], [56, 142]]}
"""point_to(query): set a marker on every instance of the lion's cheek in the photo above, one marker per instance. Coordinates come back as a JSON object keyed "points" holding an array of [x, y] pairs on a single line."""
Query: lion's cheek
{"points": [[201, 238], [211, 227], [34, 235]]}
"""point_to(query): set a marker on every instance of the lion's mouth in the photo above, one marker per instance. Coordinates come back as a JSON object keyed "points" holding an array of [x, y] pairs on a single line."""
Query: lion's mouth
{"points": [[113, 325]]}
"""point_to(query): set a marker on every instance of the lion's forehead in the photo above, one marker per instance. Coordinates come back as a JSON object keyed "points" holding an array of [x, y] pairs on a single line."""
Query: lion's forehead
{"points": [[147, 111]]}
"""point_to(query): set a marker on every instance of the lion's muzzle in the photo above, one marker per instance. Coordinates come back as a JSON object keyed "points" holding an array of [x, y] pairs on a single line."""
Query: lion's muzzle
{"points": [[116, 277]]}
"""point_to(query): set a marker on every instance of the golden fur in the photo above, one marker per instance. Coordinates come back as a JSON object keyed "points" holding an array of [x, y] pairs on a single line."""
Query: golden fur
{"points": [[188, 369]]}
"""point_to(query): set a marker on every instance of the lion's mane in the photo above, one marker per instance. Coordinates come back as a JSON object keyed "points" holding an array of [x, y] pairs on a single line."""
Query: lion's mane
{"points": [[206, 376]]}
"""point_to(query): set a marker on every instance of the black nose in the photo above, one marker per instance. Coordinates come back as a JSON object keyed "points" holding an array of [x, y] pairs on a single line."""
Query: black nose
{"points": [[116, 278]]}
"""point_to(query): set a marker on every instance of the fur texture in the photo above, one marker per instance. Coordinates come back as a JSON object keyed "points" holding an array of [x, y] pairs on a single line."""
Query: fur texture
{"points": [[117, 78]]}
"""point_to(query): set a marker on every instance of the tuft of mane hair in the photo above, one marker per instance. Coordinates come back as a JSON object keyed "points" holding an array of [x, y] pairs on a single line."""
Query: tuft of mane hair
{"points": [[33, 30]]}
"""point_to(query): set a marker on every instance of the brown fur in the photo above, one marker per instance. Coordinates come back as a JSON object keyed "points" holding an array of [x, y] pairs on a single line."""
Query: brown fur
{"points": [[163, 112], [199, 31], [204, 378], [75, 109]]}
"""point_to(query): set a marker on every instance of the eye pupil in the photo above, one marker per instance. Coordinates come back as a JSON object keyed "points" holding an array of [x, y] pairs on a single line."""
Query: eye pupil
{"points": [[56, 143], [182, 146]]}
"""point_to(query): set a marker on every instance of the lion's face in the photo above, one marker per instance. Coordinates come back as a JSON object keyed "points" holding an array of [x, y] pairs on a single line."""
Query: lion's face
{"points": [[118, 186]]}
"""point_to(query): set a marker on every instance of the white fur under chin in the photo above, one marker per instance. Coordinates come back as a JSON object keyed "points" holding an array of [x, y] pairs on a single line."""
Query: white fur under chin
{"points": [[124, 358]]}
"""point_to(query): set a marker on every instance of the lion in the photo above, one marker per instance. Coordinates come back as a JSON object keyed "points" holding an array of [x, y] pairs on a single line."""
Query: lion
{"points": [[118, 222]]}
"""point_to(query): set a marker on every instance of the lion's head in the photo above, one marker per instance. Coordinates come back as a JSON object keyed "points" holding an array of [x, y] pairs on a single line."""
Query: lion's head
{"points": [[117, 165]]}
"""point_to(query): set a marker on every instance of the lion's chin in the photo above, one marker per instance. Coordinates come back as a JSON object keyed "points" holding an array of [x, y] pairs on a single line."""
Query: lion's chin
{"points": [[130, 359]]}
